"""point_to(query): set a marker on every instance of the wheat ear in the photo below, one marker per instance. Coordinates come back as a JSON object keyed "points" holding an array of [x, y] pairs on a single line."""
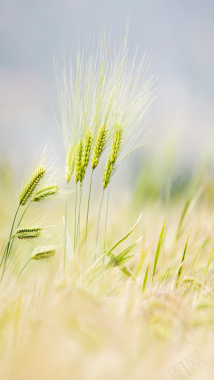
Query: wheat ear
{"points": [[99, 145], [78, 161], [86, 152], [70, 160], [113, 155], [43, 252], [28, 232], [31, 185], [44, 193], [39, 253]]}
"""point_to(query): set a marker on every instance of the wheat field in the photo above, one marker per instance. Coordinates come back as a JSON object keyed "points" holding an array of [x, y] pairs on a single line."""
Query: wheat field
{"points": [[99, 283]]}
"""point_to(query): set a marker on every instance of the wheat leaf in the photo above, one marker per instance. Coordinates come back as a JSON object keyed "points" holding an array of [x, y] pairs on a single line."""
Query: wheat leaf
{"points": [[160, 242]]}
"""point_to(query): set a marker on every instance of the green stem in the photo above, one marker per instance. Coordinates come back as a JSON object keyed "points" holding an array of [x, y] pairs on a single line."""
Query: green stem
{"points": [[89, 198], [23, 214], [21, 272], [78, 224], [3, 256], [6, 254], [12, 237], [14, 220], [66, 207], [95, 255], [75, 218], [104, 246]]}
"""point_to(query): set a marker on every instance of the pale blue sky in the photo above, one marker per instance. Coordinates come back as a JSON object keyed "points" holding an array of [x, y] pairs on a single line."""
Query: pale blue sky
{"points": [[178, 35]]}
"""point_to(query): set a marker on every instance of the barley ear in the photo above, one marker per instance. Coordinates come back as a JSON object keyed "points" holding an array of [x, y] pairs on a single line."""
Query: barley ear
{"points": [[70, 162], [31, 185], [99, 145], [113, 155], [86, 152], [78, 161], [44, 193], [28, 232], [43, 252]]}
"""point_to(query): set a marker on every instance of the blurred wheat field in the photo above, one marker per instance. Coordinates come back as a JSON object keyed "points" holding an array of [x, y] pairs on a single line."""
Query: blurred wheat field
{"points": [[99, 280], [105, 326]]}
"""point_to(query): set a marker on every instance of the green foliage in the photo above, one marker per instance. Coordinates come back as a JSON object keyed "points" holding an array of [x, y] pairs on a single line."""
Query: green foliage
{"points": [[181, 265], [160, 242]]}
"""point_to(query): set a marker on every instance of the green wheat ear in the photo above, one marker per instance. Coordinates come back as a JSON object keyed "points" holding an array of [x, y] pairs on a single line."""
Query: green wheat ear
{"points": [[113, 155], [39, 253], [78, 161], [99, 145], [86, 152], [31, 185], [43, 252], [70, 160], [44, 193], [28, 233]]}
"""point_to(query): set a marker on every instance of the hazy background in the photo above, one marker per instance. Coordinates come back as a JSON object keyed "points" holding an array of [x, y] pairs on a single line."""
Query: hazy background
{"points": [[178, 35]]}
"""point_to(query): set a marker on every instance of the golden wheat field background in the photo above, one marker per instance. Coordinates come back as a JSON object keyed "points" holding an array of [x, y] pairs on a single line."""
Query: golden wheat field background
{"points": [[106, 191]]}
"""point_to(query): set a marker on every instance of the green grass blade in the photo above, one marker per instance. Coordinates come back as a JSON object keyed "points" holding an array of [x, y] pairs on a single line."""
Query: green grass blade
{"points": [[208, 264], [116, 260], [190, 199], [145, 278], [181, 265], [140, 261], [111, 255], [127, 272], [121, 258], [160, 242], [183, 214], [128, 234]]}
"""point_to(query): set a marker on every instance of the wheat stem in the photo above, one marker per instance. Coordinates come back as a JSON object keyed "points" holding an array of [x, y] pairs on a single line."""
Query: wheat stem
{"points": [[66, 207], [78, 224], [3, 256], [104, 246], [87, 216], [75, 218], [13, 237], [95, 255], [22, 270], [6, 253]]}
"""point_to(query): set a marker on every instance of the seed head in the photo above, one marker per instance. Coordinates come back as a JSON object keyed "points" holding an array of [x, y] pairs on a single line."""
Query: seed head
{"points": [[86, 152], [99, 145], [78, 161], [70, 162], [43, 252], [44, 193], [113, 155], [28, 232], [31, 185]]}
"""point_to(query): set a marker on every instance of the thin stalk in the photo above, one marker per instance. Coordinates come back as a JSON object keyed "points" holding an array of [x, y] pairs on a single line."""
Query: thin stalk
{"points": [[89, 198], [75, 218], [95, 255], [13, 237], [6, 254], [22, 270], [87, 216], [14, 220], [78, 224], [23, 214], [104, 246], [66, 207], [3, 256]]}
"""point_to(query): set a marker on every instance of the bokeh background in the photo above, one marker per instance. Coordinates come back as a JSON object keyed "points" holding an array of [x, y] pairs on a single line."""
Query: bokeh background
{"points": [[177, 34]]}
